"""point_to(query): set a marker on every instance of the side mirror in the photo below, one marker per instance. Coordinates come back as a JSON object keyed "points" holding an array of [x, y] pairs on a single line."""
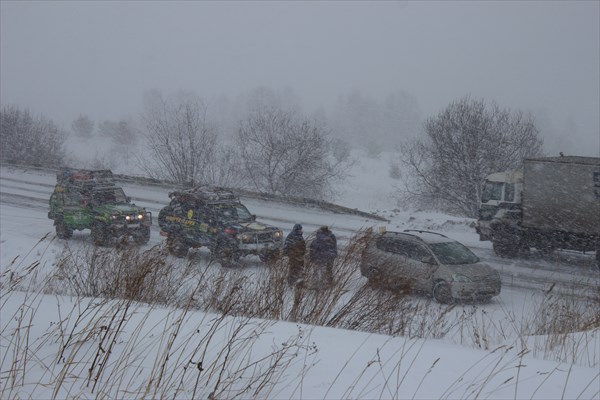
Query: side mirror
{"points": [[128, 199], [428, 260], [253, 217]]}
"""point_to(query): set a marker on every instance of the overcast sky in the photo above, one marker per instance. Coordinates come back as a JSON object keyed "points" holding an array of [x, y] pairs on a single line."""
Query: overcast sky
{"points": [[98, 58]]}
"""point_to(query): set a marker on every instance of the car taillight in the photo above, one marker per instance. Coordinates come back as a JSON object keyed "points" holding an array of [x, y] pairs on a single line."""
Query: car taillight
{"points": [[229, 231]]}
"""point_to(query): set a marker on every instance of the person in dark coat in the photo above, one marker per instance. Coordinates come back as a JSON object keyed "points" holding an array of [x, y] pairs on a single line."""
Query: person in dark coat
{"points": [[294, 248], [323, 251]]}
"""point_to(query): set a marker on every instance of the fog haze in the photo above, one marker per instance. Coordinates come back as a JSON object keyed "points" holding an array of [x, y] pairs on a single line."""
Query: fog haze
{"points": [[98, 58]]}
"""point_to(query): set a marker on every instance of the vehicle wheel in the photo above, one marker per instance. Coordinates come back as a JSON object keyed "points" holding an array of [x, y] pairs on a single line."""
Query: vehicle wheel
{"points": [[63, 231], [485, 299], [506, 243], [546, 250], [142, 235], [504, 249], [226, 254], [176, 247], [269, 257], [442, 293], [100, 235]]}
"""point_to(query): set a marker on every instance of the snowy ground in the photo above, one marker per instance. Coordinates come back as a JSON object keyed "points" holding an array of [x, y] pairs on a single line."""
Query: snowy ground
{"points": [[327, 363]]}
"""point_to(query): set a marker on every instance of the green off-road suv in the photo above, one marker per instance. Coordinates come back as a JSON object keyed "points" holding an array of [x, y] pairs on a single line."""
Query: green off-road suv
{"points": [[84, 199], [215, 218]]}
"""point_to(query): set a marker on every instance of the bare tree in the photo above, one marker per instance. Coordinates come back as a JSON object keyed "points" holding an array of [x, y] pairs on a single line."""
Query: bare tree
{"points": [[463, 144], [288, 155], [182, 143], [224, 167], [83, 126], [376, 124], [28, 139], [122, 131]]}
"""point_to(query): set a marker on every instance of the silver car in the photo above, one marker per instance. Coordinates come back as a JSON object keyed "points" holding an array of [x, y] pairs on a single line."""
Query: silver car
{"points": [[430, 263]]}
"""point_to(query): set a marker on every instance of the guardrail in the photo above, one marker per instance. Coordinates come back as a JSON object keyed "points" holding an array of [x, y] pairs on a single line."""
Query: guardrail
{"points": [[297, 201]]}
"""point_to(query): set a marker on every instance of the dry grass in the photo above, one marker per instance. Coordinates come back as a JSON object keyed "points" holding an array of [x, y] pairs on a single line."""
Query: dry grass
{"points": [[109, 347]]}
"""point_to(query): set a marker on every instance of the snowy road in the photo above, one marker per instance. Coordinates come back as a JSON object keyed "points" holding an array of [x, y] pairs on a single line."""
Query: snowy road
{"points": [[24, 196]]}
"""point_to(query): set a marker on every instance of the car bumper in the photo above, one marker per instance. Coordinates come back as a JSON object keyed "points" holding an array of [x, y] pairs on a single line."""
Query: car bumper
{"points": [[474, 291], [124, 226]]}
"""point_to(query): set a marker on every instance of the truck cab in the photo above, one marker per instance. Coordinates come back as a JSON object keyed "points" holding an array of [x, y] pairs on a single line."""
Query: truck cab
{"points": [[500, 198]]}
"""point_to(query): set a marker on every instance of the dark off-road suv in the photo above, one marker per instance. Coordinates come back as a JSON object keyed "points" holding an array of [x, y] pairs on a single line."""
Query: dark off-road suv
{"points": [[215, 218], [85, 199]]}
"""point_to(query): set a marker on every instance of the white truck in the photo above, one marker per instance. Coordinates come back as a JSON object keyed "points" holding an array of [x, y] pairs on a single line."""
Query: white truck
{"points": [[554, 202]]}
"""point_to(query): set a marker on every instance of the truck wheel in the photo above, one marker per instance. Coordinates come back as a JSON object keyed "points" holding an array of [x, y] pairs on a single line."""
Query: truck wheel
{"points": [[269, 257], [63, 231], [505, 249], [546, 250], [100, 235], [176, 247], [142, 235], [442, 293]]}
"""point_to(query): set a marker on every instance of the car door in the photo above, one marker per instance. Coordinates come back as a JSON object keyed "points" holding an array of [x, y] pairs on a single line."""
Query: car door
{"points": [[393, 262], [202, 218], [75, 211], [420, 265]]}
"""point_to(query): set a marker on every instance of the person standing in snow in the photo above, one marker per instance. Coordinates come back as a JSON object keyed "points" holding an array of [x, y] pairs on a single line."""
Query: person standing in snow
{"points": [[323, 251], [294, 248]]}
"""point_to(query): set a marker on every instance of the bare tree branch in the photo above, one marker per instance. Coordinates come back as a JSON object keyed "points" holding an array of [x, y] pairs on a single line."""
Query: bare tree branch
{"points": [[466, 142]]}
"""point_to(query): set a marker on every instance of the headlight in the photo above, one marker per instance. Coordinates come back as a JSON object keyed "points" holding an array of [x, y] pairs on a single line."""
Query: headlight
{"points": [[127, 217], [461, 278], [277, 234], [140, 216], [113, 217], [244, 237]]}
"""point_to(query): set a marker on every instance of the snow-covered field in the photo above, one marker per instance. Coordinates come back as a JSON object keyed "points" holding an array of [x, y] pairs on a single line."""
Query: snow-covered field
{"points": [[486, 352]]}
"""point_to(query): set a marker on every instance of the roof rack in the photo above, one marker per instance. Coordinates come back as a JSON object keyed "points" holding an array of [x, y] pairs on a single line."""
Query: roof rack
{"points": [[206, 194], [423, 231], [85, 178]]}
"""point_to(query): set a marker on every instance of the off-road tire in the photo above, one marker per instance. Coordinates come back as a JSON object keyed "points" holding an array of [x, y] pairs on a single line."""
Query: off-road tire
{"points": [[176, 247], [100, 235], [63, 231], [225, 254], [269, 257], [441, 292], [484, 299], [142, 235]]}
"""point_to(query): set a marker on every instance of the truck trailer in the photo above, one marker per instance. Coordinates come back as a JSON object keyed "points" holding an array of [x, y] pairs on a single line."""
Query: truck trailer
{"points": [[552, 203]]}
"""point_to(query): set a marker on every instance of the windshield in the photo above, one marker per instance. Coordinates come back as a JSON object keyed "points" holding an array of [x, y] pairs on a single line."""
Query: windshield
{"points": [[453, 253], [491, 191], [237, 213], [110, 196]]}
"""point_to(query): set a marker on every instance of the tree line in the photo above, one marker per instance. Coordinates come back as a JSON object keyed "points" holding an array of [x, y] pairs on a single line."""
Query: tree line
{"points": [[275, 148]]}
